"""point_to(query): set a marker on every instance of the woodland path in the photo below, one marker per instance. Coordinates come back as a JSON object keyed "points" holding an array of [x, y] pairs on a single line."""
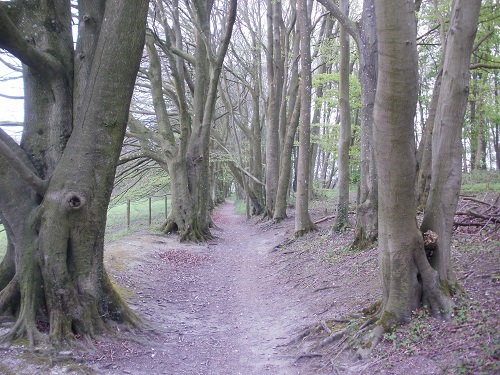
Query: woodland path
{"points": [[215, 308]]}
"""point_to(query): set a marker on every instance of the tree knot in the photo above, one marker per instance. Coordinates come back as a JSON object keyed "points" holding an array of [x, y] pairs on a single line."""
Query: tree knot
{"points": [[74, 201]]}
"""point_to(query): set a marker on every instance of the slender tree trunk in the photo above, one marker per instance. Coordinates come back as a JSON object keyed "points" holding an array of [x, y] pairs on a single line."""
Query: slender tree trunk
{"points": [[303, 222], [367, 204], [288, 140], [496, 135], [342, 217], [272, 131], [480, 157], [425, 149], [447, 137]]}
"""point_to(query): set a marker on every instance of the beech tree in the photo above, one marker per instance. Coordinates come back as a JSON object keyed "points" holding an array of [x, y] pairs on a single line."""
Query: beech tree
{"points": [[447, 134], [180, 142], [303, 222], [365, 35], [55, 187], [408, 280], [342, 219]]}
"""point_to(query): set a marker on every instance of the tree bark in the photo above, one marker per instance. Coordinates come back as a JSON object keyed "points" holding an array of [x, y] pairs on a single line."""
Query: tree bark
{"points": [[273, 107], [367, 203], [74, 129], [303, 222], [408, 280], [342, 218], [446, 141], [366, 39]]}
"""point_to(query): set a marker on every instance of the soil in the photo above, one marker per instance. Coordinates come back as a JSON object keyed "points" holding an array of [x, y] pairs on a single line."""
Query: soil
{"points": [[245, 303]]}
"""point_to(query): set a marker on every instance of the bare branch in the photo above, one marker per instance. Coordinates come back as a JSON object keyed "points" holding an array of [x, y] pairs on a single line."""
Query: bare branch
{"points": [[350, 26]]}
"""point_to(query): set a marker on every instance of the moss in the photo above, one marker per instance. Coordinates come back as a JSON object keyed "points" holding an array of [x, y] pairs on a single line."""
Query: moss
{"points": [[372, 309], [446, 287], [388, 321], [367, 345]]}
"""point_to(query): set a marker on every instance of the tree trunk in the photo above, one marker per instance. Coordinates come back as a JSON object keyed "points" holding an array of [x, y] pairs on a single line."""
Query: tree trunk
{"points": [[367, 203], [447, 136], [407, 278], [480, 157], [496, 135], [288, 140], [186, 156], [273, 108], [425, 149], [66, 165], [342, 217], [303, 222]]}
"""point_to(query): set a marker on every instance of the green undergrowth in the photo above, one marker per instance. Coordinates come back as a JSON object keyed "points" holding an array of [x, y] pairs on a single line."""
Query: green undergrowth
{"points": [[239, 205], [481, 182]]}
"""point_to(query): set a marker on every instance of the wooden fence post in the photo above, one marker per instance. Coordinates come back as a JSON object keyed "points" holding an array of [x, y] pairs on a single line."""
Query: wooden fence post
{"points": [[166, 206], [128, 213], [149, 217]]}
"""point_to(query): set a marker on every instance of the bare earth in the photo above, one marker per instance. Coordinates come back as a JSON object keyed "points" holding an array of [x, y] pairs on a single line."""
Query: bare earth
{"points": [[238, 304]]}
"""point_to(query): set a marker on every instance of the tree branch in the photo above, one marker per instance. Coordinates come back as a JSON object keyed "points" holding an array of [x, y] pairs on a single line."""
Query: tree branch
{"points": [[13, 41], [26, 173], [350, 26], [484, 66]]}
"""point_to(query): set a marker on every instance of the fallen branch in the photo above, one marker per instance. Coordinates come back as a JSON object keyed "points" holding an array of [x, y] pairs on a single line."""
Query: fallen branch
{"points": [[494, 218], [324, 219], [478, 201]]}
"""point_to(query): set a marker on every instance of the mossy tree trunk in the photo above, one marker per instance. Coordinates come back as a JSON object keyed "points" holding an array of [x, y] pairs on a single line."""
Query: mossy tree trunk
{"points": [[56, 186]]}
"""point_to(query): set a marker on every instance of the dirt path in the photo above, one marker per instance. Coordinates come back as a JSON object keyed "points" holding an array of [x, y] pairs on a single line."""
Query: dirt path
{"points": [[216, 308]]}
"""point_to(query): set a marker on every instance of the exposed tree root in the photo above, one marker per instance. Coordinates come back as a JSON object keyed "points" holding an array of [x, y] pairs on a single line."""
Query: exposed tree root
{"points": [[188, 234], [9, 297], [330, 338]]}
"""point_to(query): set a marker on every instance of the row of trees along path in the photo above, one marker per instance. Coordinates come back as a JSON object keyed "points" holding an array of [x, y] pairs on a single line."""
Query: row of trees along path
{"points": [[215, 308]]}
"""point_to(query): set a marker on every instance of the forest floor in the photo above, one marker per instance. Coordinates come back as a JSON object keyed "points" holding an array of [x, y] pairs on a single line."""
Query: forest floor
{"points": [[238, 305]]}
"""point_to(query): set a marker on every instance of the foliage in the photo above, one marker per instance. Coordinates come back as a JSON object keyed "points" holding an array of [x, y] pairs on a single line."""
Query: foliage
{"points": [[408, 336], [240, 207], [481, 181]]}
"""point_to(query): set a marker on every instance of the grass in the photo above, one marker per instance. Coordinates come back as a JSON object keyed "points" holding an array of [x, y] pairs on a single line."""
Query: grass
{"points": [[481, 182], [116, 225]]}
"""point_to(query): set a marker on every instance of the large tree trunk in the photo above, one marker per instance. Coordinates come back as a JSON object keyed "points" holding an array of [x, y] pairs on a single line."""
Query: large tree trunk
{"points": [[408, 280], [447, 136], [342, 218], [66, 164]]}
